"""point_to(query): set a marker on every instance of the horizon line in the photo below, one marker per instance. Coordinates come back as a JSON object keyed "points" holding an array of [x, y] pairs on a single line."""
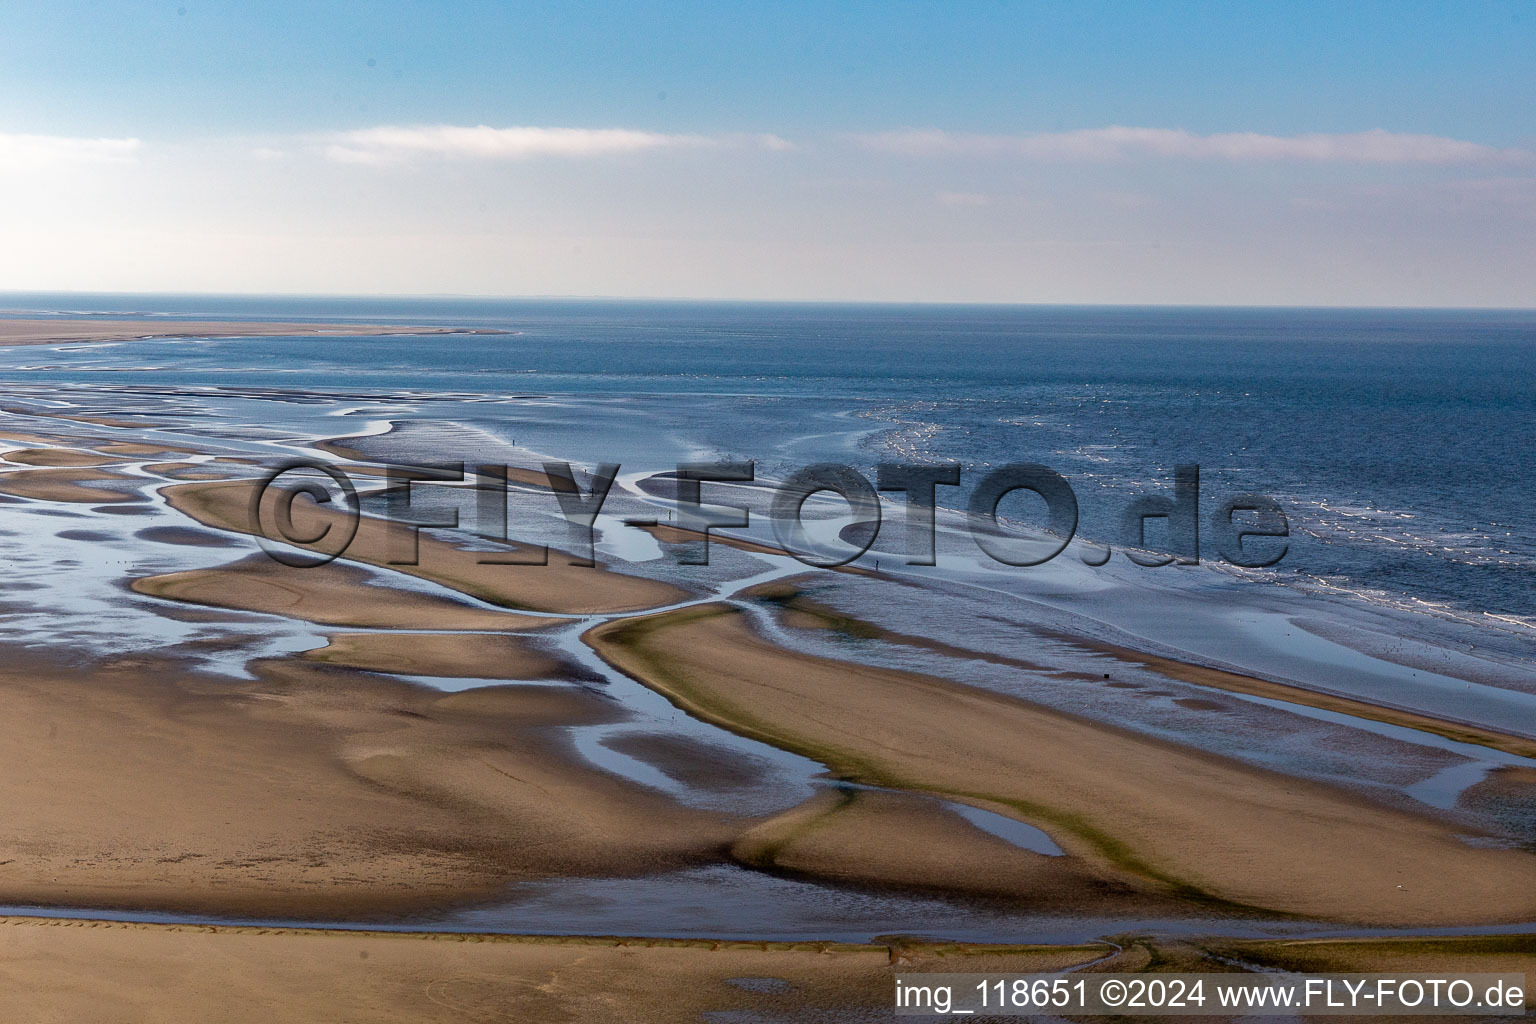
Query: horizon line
{"points": [[718, 300]]}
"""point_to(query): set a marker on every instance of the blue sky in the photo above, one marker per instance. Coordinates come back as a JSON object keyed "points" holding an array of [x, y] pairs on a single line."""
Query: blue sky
{"points": [[970, 151]]}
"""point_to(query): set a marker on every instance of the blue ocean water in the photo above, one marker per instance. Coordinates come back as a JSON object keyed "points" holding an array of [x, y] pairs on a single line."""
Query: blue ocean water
{"points": [[1401, 443]]}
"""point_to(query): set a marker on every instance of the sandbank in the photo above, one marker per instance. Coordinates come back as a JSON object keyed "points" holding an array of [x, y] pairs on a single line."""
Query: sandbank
{"points": [[1134, 810]]}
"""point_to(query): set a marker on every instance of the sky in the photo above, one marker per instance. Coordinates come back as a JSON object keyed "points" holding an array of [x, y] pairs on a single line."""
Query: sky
{"points": [[1298, 153]]}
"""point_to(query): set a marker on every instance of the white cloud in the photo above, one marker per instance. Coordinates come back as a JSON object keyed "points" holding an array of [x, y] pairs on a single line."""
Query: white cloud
{"points": [[389, 143], [396, 143], [50, 150], [1119, 143]]}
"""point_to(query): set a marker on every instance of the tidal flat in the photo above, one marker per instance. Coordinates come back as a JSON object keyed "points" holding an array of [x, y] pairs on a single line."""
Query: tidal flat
{"points": [[746, 758]]}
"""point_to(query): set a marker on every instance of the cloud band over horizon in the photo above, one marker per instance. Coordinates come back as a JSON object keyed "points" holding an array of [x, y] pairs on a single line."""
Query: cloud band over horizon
{"points": [[1117, 143], [1112, 214], [389, 144], [20, 150]]}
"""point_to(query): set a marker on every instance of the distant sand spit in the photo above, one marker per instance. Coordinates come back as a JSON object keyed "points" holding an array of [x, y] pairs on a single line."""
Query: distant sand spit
{"points": [[54, 332]]}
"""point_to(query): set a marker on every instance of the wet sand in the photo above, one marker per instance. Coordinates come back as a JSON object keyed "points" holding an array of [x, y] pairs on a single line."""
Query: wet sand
{"points": [[71, 485], [897, 840], [453, 655], [801, 612], [1493, 954], [138, 974], [120, 973], [1136, 811], [556, 587], [60, 457], [335, 594], [191, 471], [53, 332], [309, 793]]}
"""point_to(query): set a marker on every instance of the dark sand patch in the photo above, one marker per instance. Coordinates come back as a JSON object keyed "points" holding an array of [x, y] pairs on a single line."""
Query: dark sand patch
{"points": [[1507, 795], [217, 644], [186, 536], [1201, 704], [88, 536]]}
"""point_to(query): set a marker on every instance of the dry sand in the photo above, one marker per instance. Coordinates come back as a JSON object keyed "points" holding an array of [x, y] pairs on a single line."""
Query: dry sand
{"points": [[1133, 810]]}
